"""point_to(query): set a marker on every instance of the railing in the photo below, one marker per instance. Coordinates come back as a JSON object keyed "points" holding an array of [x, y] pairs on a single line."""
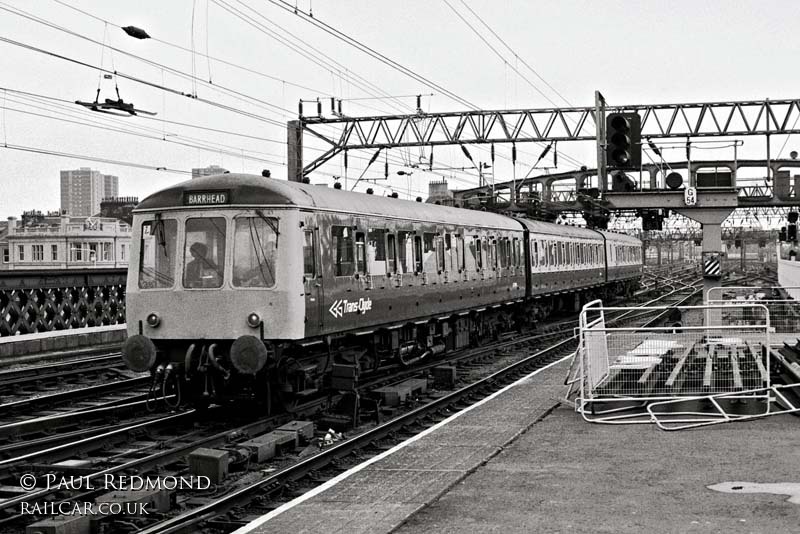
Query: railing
{"points": [[43, 301], [714, 349]]}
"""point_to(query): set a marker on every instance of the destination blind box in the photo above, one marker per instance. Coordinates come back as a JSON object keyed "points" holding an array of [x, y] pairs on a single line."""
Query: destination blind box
{"points": [[206, 198]]}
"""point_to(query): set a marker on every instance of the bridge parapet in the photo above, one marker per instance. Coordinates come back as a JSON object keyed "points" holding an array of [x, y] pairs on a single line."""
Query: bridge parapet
{"points": [[46, 301]]}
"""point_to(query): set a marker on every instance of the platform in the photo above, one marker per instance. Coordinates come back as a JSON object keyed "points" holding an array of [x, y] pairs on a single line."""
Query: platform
{"points": [[520, 462], [400, 482]]}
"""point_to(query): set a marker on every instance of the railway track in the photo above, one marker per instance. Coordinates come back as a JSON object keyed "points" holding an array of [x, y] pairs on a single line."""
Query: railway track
{"points": [[159, 445], [27, 381]]}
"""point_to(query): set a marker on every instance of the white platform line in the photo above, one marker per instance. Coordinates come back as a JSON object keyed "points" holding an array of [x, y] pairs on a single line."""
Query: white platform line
{"points": [[353, 470]]}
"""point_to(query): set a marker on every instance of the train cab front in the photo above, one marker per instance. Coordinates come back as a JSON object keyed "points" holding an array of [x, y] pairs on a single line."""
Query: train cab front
{"points": [[208, 300]]}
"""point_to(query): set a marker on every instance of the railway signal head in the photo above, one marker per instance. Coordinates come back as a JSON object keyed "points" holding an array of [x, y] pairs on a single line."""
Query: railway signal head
{"points": [[623, 140]]}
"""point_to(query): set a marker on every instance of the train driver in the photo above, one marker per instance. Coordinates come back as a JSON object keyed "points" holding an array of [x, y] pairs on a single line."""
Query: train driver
{"points": [[201, 271]]}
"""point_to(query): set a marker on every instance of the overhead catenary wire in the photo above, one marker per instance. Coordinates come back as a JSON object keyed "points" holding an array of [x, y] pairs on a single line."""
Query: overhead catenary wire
{"points": [[192, 78], [380, 57], [162, 87], [111, 123], [371, 52], [141, 81], [48, 152], [517, 56]]}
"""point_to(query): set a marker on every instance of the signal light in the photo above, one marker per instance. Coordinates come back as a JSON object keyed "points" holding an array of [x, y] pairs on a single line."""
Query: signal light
{"points": [[791, 232], [782, 234], [792, 217], [624, 140]]}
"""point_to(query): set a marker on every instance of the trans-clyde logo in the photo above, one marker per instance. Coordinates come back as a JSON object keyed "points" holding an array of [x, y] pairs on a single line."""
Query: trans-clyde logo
{"points": [[343, 306]]}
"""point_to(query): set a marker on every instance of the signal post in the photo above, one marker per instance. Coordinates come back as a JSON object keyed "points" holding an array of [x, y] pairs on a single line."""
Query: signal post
{"points": [[620, 149]]}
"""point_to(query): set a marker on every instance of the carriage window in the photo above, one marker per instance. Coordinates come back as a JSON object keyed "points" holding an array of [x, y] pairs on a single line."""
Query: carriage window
{"points": [[404, 253], [344, 250], [361, 253], [458, 250], [376, 251], [535, 253], [440, 253], [449, 264], [568, 255], [255, 243], [491, 256], [429, 252], [157, 254], [309, 259], [204, 253], [418, 254], [478, 252], [391, 253], [502, 253]]}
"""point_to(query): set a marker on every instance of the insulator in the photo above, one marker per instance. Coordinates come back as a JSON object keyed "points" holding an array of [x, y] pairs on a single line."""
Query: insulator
{"points": [[386, 169], [345, 159], [340, 106], [319, 108], [492, 153], [333, 105], [514, 153], [466, 153], [419, 102], [300, 108], [431, 159], [374, 157]]}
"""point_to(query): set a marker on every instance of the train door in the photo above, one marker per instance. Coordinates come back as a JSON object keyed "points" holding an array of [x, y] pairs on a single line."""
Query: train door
{"points": [[312, 280]]}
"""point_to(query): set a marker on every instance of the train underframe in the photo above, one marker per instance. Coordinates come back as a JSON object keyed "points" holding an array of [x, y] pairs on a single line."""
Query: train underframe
{"points": [[282, 376]]}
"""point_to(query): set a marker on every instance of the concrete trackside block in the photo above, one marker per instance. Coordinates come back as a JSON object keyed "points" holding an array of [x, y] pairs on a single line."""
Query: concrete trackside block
{"points": [[303, 429], [67, 524], [210, 463], [397, 394], [444, 376], [267, 446], [262, 447], [153, 500]]}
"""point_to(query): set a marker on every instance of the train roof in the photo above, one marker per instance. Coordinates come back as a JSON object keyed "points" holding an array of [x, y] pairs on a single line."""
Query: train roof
{"points": [[623, 239], [561, 230], [252, 190]]}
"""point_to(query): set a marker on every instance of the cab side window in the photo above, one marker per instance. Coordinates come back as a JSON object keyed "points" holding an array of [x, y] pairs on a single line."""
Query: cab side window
{"points": [[309, 255]]}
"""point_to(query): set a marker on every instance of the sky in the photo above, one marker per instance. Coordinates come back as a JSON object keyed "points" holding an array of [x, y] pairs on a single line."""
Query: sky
{"points": [[238, 60]]}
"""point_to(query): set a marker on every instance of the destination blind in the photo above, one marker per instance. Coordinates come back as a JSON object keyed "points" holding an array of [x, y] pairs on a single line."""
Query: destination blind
{"points": [[206, 198]]}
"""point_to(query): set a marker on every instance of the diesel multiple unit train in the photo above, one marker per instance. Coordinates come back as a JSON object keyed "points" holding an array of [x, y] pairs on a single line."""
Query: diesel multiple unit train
{"points": [[241, 286]]}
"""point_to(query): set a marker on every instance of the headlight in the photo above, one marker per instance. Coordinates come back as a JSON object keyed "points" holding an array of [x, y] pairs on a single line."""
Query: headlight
{"points": [[253, 320], [153, 320]]}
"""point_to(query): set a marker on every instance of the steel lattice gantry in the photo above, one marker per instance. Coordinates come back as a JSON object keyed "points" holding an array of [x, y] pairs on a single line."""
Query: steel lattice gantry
{"points": [[709, 119]]}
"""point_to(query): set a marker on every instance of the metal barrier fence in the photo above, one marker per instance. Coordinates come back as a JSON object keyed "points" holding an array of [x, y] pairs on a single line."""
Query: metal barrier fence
{"points": [[43, 302], [716, 349], [784, 312]]}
